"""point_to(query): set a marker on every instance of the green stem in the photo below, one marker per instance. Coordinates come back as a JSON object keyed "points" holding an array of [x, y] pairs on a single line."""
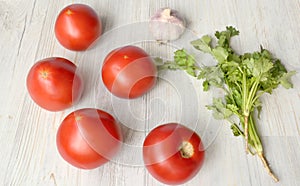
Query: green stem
{"points": [[257, 96], [251, 95], [240, 88], [245, 92], [245, 109], [253, 136], [246, 118], [229, 92], [248, 104]]}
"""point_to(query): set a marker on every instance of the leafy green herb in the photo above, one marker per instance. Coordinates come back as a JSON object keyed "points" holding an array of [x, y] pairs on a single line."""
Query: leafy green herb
{"points": [[244, 78]]}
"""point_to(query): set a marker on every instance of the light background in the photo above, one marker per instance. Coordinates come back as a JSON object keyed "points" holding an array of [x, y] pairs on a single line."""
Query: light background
{"points": [[27, 133]]}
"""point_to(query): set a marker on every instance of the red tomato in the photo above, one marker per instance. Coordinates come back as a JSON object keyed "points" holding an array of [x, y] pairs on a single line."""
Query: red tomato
{"points": [[128, 72], [173, 154], [88, 138], [77, 27], [54, 84]]}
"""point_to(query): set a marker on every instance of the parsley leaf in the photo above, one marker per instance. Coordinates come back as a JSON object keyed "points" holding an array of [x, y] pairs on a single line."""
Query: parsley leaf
{"points": [[219, 109], [285, 79], [203, 44]]}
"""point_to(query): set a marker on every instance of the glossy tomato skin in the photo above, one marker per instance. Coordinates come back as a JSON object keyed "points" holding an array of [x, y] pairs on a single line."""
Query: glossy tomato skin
{"points": [[162, 156], [88, 138], [77, 27], [128, 72], [54, 83]]}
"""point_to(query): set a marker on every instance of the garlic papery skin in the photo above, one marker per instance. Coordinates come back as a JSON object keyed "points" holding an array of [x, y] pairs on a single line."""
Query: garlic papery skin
{"points": [[166, 25]]}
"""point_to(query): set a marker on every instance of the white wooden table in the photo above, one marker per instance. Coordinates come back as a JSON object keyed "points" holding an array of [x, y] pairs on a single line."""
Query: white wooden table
{"points": [[27, 133]]}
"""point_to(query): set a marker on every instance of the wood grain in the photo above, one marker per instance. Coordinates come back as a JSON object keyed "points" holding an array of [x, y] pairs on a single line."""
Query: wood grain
{"points": [[27, 133]]}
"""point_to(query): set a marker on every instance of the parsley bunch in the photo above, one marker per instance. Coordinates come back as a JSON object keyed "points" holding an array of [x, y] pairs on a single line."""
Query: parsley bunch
{"points": [[244, 78]]}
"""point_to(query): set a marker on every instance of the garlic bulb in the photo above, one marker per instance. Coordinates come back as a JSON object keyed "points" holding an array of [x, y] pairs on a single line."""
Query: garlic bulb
{"points": [[166, 25]]}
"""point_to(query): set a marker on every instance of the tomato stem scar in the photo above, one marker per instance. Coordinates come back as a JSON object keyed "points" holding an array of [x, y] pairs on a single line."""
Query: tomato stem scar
{"points": [[69, 12], [78, 118], [44, 74], [186, 149]]}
